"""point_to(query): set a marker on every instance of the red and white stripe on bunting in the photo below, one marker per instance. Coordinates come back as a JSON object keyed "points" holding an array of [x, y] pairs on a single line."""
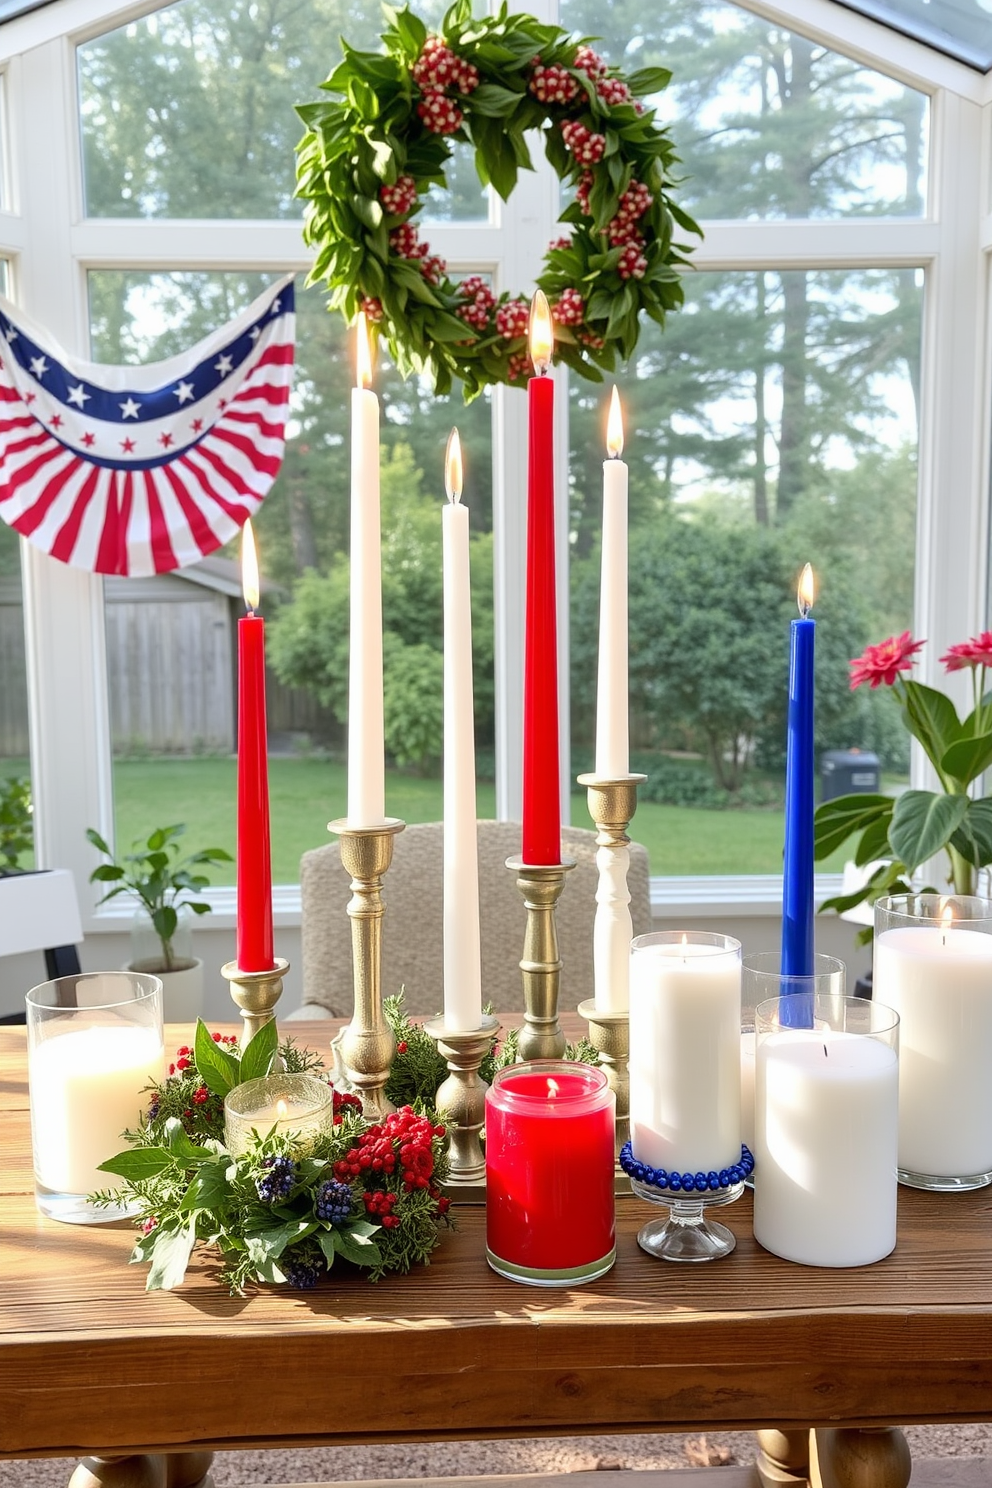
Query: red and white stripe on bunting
{"points": [[140, 470]]}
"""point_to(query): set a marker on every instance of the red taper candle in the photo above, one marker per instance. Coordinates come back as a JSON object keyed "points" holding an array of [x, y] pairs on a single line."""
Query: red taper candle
{"points": [[541, 787], [255, 947]]}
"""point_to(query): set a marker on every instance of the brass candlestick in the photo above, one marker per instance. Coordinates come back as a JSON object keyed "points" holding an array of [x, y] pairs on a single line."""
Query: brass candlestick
{"points": [[612, 803], [462, 1099], [256, 994], [368, 1045], [541, 886]]}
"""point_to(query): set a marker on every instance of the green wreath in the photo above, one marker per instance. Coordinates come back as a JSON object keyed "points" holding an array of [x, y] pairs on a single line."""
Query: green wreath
{"points": [[368, 158]]}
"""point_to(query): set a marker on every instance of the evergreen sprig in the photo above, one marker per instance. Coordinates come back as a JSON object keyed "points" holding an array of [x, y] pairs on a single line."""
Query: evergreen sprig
{"points": [[372, 134]]}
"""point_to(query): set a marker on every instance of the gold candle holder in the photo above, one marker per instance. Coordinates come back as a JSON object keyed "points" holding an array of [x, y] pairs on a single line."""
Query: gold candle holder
{"points": [[368, 1045], [462, 1099], [541, 886], [256, 994], [612, 804]]}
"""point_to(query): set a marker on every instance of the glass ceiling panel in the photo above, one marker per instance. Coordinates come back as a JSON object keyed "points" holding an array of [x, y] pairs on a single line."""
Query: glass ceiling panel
{"points": [[961, 28]]}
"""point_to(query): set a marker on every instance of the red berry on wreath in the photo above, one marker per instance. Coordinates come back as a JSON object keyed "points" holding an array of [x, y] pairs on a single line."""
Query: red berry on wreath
{"points": [[399, 198], [569, 308], [613, 91], [552, 84], [404, 240], [518, 366], [633, 264], [513, 319], [559, 243], [587, 147], [402, 1046], [622, 230], [635, 201], [372, 308], [434, 269], [582, 191], [439, 113], [589, 62]]}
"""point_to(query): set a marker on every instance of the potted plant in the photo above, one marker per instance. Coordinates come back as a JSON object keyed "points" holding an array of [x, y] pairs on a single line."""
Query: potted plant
{"points": [[164, 884]]}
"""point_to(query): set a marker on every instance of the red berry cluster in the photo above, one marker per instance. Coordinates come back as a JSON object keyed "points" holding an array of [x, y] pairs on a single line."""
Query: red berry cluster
{"points": [[612, 90], [512, 319], [201, 1095], [582, 192], [519, 365], [559, 243], [589, 62], [585, 146], [480, 301], [633, 264], [372, 308], [147, 1225], [402, 1143], [380, 1206], [342, 1104], [440, 114], [552, 84], [399, 198], [405, 240], [633, 204], [569, 308], [433, 268], [590, 339], [439, 67]]}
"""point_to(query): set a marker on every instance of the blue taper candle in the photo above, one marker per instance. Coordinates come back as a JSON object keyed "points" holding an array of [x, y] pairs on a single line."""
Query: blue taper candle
{"points": [[797, 884]]}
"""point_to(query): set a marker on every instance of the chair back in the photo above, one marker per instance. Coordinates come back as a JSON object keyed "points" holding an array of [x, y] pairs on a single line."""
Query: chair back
{"points": [[412, 925]]}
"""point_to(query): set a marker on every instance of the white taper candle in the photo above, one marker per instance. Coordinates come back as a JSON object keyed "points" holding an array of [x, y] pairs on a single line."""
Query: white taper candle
{"points": [[366, 741], [612, 746]]}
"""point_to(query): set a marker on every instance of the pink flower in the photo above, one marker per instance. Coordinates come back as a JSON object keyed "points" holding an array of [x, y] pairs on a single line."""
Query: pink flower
{"points": [[884, 662], [973, 653]]}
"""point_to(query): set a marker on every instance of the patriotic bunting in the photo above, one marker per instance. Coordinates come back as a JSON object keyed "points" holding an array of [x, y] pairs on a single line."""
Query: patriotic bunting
{"points": [[140, 470]]}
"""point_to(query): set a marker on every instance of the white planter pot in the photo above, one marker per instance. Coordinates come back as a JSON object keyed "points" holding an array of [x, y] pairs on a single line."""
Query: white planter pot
{"points": [[182, 991]]}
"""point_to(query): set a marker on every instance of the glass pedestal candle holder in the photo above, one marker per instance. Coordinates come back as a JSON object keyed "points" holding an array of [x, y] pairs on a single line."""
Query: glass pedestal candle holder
{"points": [[825, 1124], [933, 965], [94, 1046], [549, 1173], [685, 1146], [297, 1106]]}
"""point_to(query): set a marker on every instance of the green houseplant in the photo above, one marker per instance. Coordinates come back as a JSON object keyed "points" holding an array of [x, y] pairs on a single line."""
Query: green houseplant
{"points": [[901, 833], [167, 887]]}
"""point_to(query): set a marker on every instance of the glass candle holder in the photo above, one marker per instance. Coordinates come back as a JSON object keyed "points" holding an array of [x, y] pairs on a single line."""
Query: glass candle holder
{"points": [[761, 979], [300, 1107], [94, 1046], [825, 1128], [933, 964], [549, 1173]]}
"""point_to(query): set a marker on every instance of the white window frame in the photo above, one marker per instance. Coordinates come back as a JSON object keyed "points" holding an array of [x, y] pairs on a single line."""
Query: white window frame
{"points": [[51, 247]]}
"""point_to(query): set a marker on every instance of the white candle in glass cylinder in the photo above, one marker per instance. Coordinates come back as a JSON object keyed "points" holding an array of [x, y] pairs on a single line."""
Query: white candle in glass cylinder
{"points": [[825, 1147], [366, 741], [86, 1090], [747, 1088], [462, 949], [685, 1055], [612, 739], [939, 981]]}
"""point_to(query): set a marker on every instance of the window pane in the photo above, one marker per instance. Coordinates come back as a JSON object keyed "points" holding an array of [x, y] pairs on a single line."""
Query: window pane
{"points": [[767, 123], [15, 769], [189, 112], [171, 638], [773, 423]]}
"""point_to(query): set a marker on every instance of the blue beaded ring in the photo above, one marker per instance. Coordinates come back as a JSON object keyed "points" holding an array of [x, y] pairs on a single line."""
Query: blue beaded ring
{"points": [[710, 1182]]}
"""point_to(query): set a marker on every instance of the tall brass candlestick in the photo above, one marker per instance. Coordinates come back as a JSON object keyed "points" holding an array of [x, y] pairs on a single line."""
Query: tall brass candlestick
{"points": [[368, 1045], [461, 1098], [541, 886], [612, 804], [256, 994]]}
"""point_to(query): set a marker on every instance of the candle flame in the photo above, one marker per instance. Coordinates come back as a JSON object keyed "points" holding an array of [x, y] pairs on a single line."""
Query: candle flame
{"points": [[542, 332], [282, 1110], [249, 567], [947, 918], [552, 1088], [453, 472], [363, 348], [614, 427], [806, 592]]}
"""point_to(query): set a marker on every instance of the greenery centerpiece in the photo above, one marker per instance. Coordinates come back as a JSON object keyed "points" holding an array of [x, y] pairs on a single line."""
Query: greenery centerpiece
{"points": [[899, 834]]}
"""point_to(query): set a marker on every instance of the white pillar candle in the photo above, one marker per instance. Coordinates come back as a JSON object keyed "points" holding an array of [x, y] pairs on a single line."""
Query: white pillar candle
{"points": [[366, 743], [825, 1156], [462, 950], [86, 1090], [747, 1088], [612, 745], [685, 1054], [939, 981]]}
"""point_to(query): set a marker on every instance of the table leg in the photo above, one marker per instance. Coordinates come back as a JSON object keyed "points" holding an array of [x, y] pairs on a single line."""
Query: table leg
{"points": [[150, 1470], [783, 1458], [875, 1457]]}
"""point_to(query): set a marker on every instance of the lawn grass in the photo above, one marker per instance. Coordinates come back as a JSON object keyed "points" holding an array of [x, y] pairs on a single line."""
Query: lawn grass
{"points": [[307, 793]]}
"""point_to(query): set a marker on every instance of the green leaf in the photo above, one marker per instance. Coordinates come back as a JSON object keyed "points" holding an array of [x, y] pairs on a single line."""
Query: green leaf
{"points": [[257, 1056], [269, 1244], [930, 717], [835, 820], [210, 1188], [368, 212], [181, 1149], [170, 1257], [649, 80], [357, 1249], [923, 823], [325, 1239], [874, 840], [973, 839], [494, 101], [967, 759], [218, 1070], [137, 1163]]}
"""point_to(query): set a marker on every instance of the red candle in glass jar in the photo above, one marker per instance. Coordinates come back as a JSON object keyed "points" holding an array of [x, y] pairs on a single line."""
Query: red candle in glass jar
{"points": [[549, 1173]]}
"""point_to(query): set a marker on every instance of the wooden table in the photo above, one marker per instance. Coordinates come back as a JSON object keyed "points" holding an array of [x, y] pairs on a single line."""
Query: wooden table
{"points": [[90, 1363]]}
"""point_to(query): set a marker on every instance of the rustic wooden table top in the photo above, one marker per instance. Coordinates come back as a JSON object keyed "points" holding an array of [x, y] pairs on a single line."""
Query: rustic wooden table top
{"points": [[89, 1361]]}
